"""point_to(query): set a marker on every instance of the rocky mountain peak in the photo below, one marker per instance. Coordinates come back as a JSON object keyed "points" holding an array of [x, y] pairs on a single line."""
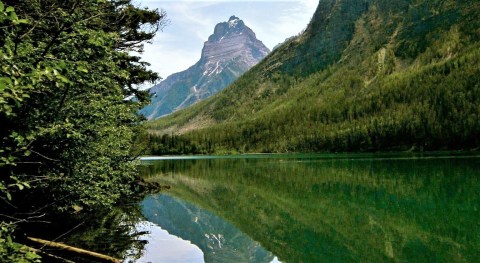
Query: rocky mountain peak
{"points": [[231, 50], [233, 26], [234, 21], [232, 38]]}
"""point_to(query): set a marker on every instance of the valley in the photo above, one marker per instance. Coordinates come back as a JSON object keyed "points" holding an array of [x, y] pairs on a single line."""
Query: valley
{"points": [[364, 76]]}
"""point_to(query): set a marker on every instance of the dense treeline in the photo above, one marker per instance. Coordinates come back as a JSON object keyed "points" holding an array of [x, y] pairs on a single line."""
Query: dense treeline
{"points": [[66, 128], [173, 145], [407, 79]]}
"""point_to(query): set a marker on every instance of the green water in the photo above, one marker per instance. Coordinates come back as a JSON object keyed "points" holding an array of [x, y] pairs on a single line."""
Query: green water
{"points": [[334, 208]]}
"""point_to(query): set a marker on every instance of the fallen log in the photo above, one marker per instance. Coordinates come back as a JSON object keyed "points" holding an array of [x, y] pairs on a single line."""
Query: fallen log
{"points": [[73, 249]]}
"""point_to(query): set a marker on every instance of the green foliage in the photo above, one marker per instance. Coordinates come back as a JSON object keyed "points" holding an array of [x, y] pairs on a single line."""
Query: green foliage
{"points": [[11, 251], [63, 91], [67, 128], [396, 77]]}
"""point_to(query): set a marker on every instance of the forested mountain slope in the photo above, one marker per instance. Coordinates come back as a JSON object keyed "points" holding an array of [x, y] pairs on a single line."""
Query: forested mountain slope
{"points": [[365, 75]]}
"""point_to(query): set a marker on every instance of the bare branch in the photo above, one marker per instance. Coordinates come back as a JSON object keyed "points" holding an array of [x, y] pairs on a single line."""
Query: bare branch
{"points": [[45, 157]]}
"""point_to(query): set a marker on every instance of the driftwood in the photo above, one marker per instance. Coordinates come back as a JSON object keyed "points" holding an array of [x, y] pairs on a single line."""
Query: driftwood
{"points": [[74, 249]]}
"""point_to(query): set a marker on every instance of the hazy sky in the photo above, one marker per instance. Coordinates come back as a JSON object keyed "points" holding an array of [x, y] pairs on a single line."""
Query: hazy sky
{"points": [[180, 43]]}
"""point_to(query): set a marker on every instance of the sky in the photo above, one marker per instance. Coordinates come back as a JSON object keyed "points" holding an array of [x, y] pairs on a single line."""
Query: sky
{"points": [[178, 46]]}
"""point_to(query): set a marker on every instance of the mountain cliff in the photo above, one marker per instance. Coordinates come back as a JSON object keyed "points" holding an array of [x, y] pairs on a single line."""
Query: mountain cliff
{"points": [[229, 52], [364, 76]]}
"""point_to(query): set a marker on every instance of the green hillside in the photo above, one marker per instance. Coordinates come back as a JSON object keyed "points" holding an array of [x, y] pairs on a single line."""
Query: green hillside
{"points": [[365, 75]]}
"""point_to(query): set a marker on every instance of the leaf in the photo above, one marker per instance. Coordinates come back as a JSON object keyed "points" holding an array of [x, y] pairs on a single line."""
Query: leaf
{"points": [[82, 69], [13, 16], [63, 79], [6, 80], [77, 208], [17, 21], [61, 65], [10, 9], [1, 6]]}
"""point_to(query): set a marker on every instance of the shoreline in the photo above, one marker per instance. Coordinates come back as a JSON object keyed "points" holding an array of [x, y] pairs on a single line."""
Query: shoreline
{"points": [[342, 155]]}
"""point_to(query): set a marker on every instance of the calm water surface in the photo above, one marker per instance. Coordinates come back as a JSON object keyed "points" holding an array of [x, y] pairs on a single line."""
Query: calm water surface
{"points": [[314, 208]]}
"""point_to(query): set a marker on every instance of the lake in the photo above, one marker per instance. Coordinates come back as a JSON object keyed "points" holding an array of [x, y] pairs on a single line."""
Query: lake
{"points": [[313, 208]]}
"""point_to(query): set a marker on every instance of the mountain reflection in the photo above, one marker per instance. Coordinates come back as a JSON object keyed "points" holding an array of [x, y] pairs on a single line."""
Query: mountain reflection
{"points": [[219, 240], [372, 208]]}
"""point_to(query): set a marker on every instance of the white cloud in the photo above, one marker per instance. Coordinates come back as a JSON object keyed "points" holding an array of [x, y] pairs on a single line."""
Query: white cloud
{"points": [[192, 21]]}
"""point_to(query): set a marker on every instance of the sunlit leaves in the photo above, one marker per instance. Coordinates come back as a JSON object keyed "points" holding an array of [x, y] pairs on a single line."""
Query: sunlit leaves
{"points": [[11, 251], [66, 128], [63, 86]]}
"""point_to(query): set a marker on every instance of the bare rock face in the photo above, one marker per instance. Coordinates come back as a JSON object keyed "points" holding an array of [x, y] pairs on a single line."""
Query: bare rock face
{"points": [[233, 39], [229, 52]]}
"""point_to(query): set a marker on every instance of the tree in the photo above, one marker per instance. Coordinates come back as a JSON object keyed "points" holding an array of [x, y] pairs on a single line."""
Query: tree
{"points": [[66, 125]]}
